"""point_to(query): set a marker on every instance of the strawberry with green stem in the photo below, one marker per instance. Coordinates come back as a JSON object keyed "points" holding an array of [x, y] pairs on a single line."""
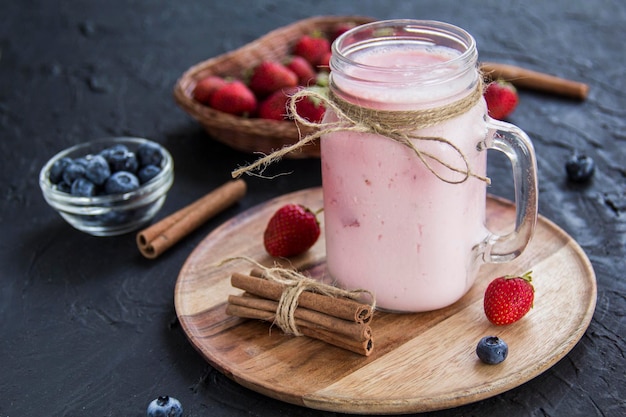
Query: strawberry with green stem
{"points": [[508, 298], [312, 47]]}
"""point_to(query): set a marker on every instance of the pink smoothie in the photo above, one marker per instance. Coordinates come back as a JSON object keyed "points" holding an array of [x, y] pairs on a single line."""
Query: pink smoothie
{"points": [[391, 226]]}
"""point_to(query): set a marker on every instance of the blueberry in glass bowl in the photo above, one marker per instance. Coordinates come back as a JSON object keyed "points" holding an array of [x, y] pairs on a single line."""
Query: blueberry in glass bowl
{"points": [[108, 186]]}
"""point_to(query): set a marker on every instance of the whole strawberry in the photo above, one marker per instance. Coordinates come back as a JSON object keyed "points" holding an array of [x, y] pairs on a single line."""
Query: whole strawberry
{"points": [[302, 68], [270, 76], [311, 108], [501, 97], [206, 87], [274, 107], [312, 48], [234, 98], [292, 230], [509, 298]]}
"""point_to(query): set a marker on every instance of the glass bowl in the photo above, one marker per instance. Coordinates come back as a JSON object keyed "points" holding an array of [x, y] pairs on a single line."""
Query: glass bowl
{"points": [[109, 214]]}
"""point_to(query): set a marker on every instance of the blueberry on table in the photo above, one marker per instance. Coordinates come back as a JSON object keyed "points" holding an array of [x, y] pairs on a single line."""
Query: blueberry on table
{"points": [[165, 406], [492, 350], [580, 168], [149, 154], [121, 182], [148, 172], [97, 170]]}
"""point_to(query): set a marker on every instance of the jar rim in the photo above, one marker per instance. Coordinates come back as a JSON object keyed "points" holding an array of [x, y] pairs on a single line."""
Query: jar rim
{"points": [[426, 32]]}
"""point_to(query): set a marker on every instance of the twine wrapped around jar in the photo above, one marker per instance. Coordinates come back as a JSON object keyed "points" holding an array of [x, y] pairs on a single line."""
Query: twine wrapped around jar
{"points": [[398, 126]]}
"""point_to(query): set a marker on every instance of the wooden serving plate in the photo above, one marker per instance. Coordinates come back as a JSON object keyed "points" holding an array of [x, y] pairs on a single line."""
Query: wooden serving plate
{"points": [[420, 362]]}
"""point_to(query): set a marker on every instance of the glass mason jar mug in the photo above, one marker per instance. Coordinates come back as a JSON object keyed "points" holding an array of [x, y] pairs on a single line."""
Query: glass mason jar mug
{"points": [[404, 181]]}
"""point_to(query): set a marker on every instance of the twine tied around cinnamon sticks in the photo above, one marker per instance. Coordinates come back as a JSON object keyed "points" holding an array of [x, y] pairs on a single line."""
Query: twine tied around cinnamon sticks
{"points": [[302, 306], [398, 126], [295, 284]]}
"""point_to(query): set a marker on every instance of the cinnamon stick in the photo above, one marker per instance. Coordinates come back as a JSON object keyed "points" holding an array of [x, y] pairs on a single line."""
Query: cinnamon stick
{"points": [[159, 237], [361, 347], [364, 348], [338, 307], [534, 80], [307, 318]]}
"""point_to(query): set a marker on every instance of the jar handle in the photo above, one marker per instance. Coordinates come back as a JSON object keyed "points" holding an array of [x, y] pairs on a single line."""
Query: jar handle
{"points": [[513, 142]]}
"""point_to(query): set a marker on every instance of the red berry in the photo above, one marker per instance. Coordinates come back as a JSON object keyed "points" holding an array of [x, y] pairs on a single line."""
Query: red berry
{"points": [[270, 76], [234, 98], [501, 97], [509, 298], [310, 108], [324, 64], [292, 230], [312, 48], [274, 107], [206, 87], [341, 29], [302, 68]]}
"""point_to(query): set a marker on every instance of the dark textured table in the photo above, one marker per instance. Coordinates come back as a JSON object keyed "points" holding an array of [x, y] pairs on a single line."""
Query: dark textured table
{"points": [[89, 326]]}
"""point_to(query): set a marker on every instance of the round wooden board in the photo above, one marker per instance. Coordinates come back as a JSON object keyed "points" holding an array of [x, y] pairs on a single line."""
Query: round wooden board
{"points": [[420, 362]]}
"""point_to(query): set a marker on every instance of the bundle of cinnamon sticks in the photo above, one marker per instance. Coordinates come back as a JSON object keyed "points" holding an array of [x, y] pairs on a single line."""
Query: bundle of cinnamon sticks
{"points": [[342, 322]]}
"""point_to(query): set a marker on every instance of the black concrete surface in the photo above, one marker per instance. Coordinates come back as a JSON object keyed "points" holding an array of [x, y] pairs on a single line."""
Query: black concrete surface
{"points": [[88, 326]]}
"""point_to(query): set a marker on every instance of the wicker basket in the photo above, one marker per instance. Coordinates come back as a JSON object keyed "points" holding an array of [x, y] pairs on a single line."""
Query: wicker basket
{"points": [[253, 134]]}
